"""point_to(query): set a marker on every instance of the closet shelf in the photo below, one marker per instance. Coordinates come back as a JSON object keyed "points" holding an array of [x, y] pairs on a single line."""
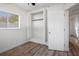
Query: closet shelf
{"points": [[37, 19]]}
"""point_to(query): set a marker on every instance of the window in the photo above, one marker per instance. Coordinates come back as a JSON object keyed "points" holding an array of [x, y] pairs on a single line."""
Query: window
{"points": [[9, 21]]}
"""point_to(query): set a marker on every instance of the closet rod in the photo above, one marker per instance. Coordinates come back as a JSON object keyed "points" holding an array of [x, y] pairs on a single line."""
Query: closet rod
{"points": [[37, 20]]}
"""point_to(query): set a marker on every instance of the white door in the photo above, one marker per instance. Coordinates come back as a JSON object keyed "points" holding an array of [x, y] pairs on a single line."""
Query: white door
{"points": [[55, 29]]}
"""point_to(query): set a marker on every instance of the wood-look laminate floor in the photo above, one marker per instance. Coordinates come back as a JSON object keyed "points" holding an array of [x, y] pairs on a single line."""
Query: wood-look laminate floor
{"points": [[34, 49]]}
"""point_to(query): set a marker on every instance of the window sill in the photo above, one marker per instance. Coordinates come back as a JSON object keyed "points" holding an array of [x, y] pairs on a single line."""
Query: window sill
{"points": [[9, 28]]}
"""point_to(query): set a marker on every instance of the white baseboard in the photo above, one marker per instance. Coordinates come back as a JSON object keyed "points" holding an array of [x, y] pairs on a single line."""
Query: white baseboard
{"points": [[38, 42]]}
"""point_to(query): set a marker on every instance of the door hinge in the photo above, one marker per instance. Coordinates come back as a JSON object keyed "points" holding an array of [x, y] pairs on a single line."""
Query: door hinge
{"points": [[64, 29], [64, 14], [64, 45]]}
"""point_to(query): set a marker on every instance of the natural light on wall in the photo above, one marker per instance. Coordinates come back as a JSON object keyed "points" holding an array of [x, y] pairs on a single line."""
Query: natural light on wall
{"points": [[9, 21]]}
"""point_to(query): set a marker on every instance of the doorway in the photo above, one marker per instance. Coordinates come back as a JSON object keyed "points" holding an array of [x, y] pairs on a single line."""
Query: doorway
{"points": [[39, 27], [74, 28]]}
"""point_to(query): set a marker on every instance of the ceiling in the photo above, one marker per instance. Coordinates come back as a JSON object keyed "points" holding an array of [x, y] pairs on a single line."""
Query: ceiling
{"points": [[30, 7]]}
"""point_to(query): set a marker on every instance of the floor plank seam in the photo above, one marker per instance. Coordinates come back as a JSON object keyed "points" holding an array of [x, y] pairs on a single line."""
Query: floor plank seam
{"points": [[36, 51]]}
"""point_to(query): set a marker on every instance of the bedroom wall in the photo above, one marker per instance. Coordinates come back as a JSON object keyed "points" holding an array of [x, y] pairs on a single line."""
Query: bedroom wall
{"points": [[10, 38]]}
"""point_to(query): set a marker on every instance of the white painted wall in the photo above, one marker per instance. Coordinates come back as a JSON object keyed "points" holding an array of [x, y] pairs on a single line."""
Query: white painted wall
{"points": [[10, 38], [38, 33]]}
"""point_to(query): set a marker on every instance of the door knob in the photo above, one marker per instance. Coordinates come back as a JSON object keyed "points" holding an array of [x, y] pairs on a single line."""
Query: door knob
{"points": [[49, 32]]}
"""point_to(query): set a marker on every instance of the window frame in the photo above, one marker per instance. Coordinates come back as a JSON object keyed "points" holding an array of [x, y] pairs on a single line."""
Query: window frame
{"points": [[13, 27]]}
